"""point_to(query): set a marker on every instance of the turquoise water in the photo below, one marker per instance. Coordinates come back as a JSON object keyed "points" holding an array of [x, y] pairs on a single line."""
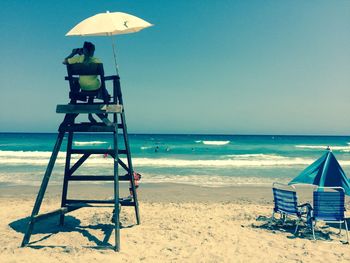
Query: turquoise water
{"points": [[205, 160]]}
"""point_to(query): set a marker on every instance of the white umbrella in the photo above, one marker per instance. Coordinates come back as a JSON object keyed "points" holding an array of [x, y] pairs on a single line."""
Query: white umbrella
{"points": [[109, 24]]}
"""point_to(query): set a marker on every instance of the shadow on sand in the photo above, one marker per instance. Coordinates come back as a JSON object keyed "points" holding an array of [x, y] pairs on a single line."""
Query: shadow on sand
{"points": [[50, 226], [322, 232]]}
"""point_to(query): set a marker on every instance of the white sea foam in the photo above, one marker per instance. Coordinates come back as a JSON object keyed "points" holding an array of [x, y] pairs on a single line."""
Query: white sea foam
{"points": [[324, 147], [12, 158], [146, 147], [35, 179], [216, 142], [248, 160], [233, 162], [210, 180], [89, 143]]}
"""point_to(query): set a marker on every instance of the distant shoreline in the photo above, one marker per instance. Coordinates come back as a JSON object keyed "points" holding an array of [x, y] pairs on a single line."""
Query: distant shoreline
{"points": [[203, 134], [161, 192]]}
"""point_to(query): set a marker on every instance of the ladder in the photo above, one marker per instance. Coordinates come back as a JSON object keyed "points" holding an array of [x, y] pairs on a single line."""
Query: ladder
{"points": [[70, 126]]}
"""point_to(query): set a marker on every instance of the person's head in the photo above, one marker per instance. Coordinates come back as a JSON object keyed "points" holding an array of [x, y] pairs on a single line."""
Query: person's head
{"points": [[88, 49]]}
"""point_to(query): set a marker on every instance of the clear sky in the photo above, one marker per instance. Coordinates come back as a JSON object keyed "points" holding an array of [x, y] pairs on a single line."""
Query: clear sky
{"points": [[207, 66]]}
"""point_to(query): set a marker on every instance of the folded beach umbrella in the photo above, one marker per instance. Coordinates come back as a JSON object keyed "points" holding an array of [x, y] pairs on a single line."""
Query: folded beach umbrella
{"points": [[326, 171], [109, 24]]}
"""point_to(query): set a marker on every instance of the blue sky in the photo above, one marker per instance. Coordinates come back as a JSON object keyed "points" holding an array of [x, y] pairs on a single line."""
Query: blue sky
{"points": [[213, 67]]}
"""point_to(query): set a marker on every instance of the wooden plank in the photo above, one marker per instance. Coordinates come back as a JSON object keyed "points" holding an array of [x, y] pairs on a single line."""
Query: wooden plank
{"points": [[84, 202], [96, 151], [79, 163], [60, 211], [127, 203], [43, 187], [88, 127], [89, 108], [91, 178], [67, 174], [55, 212], [98, 178], [92, 151]]}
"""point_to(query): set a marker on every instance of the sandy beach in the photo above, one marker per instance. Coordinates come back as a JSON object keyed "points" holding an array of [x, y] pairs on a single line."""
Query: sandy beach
{"points": [[180, 223]]}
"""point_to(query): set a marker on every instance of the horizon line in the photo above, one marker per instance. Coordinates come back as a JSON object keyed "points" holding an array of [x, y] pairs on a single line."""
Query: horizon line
{"points": [[202, 134]]}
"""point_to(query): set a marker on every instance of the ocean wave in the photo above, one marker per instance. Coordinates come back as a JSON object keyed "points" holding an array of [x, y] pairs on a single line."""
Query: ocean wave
{"points": [[89, 143], [12, 158], [216, 142], [233, 162], [210, 180], [146, 147], [34, 179], [324, 147], [247, 160]]}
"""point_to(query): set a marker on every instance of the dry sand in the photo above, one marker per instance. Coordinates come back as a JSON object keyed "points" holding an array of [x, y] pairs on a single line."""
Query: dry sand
{"points": [[179, 224]]}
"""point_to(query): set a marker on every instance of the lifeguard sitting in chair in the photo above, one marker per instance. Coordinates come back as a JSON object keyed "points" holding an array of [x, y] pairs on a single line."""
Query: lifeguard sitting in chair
{"points": [[85, 75]]}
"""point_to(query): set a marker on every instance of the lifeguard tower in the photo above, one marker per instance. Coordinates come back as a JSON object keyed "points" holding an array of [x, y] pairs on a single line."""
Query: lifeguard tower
{"points": [[111, 120]]}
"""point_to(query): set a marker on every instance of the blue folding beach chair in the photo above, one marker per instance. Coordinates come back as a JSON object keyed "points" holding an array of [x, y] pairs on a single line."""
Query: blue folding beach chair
{"points": [[286, 204], [329, 206]]}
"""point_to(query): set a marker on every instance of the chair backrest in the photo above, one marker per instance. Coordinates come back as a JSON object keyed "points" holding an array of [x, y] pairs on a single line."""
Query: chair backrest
{"points": [[85, 69], [285, 199], [78, 69], [329, 203]]}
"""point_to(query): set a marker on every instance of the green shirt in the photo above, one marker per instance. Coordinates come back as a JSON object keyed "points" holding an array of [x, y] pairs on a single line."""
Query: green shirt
{"points": [[86, 82]]}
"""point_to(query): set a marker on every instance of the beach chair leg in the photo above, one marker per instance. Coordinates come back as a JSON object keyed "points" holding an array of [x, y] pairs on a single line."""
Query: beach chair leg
{"points": [[313, 225], [340, 224], [347, 234], [284, 219], [296, 226], [272, 218]]}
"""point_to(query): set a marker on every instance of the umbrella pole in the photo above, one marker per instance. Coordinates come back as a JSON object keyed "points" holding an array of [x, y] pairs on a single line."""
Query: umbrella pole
{"points": [[115, 56]]}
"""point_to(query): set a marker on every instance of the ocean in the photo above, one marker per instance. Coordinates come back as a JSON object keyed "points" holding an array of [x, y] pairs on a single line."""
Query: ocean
{"points": [[203, 160]]}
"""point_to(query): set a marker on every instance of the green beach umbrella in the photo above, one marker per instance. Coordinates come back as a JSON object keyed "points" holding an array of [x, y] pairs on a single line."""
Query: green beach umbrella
{"points": [[325, 171]]}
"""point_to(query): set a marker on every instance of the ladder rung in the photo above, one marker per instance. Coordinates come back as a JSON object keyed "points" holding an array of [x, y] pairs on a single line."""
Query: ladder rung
{"points": [[92, 151], [88, 127], [81, 203], [91, 178], [97, 151], [97, 178], [127, 203], [59, 211], [62, 210], [89, 108], [85, 202]]}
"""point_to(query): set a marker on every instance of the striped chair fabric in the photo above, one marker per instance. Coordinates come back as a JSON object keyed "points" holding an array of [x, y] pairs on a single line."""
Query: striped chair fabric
{"points": [[329, 206], [286, 202]]}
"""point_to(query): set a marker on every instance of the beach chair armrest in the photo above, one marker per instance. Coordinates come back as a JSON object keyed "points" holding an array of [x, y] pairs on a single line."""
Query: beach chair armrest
{"points": [[305, 208]]}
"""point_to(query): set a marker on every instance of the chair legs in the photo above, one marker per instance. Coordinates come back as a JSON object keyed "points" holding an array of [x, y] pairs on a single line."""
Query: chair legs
{"points": [[272, 218], [346, 228], [296, 226], [284, 218], [313, 225]]}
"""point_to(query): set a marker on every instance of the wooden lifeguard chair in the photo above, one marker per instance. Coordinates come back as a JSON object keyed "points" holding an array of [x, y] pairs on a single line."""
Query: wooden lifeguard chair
{"points": [[70, 126]]}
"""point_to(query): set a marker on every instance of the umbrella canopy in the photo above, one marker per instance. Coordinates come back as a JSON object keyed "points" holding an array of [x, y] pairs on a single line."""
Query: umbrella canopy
{"points": [[107, 24], [325, 171]]}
